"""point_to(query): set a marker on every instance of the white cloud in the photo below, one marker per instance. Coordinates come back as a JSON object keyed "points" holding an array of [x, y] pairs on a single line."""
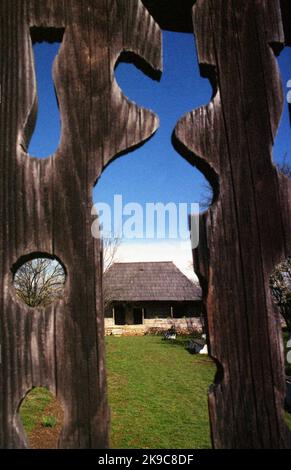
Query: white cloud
{"points": [[177, 251]]}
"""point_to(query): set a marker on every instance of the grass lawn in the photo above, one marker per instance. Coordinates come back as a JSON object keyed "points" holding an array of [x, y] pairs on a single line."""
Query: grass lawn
{"points": [[34, 406], [157, 395]]}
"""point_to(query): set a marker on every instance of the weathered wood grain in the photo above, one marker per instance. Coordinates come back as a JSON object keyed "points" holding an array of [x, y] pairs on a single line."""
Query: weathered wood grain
{"points": [[246, 232], [45, 205]]}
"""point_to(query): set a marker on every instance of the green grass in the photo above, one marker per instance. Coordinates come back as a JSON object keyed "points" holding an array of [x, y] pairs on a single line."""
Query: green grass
{"points": [[288, 419], [157, 394], [34, 406]]}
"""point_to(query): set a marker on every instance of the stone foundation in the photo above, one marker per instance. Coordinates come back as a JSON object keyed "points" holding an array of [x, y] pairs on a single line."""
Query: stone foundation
{"points": [[154, 326]]}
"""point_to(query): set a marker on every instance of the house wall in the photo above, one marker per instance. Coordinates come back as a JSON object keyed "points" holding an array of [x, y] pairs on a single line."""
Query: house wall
{"points": [[158, 310], [184, 324], [166, 309], [157, 316]]}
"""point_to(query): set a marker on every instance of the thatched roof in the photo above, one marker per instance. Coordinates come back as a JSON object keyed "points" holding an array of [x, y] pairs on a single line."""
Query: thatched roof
{"points": [[149, 281]]}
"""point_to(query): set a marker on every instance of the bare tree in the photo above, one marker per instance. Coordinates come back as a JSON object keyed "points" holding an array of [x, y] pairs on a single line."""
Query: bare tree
{"points": [[280, 283], [39, 282], [110, 246]]}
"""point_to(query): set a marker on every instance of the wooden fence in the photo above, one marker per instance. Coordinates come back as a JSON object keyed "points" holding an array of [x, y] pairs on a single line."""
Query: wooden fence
{"points": [[45, 205]]}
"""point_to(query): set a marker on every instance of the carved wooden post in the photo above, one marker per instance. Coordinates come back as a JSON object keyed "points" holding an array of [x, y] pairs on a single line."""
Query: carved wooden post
{"points": [[45, 205], [246, 232]]}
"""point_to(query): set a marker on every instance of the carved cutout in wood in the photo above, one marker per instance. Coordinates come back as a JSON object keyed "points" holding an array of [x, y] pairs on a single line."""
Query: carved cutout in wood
{"points": [[247, 230], [45, 205]]}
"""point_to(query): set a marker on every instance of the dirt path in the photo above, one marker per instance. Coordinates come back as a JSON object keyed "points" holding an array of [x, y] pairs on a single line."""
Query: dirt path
{"points": [[45, 437]]}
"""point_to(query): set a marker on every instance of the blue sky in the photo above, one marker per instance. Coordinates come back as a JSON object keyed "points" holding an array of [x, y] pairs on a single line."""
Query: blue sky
{"points": [[154, 172], [283, 140]]}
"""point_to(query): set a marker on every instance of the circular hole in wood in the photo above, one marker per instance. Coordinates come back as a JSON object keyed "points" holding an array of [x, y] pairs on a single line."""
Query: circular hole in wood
{"points": [[39, 279], [42, 417]]}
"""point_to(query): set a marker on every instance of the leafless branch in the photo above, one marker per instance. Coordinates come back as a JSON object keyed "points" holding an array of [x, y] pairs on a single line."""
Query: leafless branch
{"points": [[39, 282]]}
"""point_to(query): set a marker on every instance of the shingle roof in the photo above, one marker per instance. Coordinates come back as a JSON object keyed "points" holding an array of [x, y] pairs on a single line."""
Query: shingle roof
{"points": [[148, 281]]}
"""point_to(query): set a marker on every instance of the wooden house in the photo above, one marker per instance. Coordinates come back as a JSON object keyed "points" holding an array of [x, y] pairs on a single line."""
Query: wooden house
{"points": [[145, 296]]}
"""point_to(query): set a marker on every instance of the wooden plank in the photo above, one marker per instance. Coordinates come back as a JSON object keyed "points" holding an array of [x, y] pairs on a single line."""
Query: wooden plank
{"points": [[245, 232], [45, 205]]}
